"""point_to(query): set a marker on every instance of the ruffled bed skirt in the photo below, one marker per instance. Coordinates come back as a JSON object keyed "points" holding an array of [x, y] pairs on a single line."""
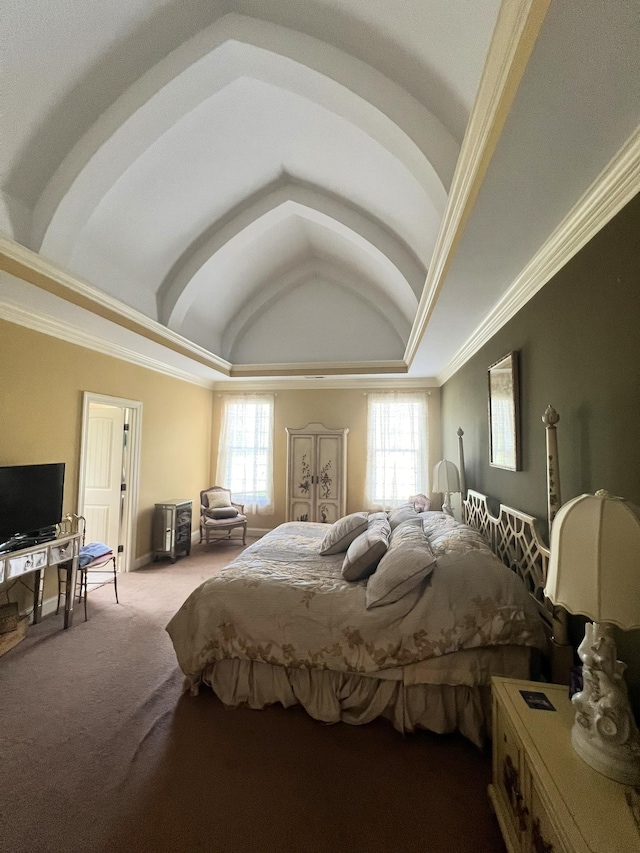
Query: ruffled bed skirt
{"points": [[334, 696]]}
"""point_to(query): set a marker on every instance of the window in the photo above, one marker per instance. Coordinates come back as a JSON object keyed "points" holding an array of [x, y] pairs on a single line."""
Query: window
{"points": [[245, 452], [396, 448]]}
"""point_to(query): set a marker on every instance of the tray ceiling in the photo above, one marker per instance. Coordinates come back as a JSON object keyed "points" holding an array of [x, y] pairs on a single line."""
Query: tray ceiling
{"points": [[238, 190]]}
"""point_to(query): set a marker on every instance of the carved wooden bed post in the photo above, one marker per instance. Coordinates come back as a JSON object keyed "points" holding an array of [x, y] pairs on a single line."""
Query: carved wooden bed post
{"points": [[562, 656], [550, 419], [463, 478], [515, 539]]}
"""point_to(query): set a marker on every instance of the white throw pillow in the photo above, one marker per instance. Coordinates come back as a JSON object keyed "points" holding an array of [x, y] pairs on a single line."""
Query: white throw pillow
{"points": [[217, 499], [342, 533], [366, 550], [402, 513], [408, 561]]}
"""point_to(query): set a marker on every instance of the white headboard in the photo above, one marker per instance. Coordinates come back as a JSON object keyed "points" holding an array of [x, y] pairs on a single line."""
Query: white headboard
{"points": [[516, 540]]}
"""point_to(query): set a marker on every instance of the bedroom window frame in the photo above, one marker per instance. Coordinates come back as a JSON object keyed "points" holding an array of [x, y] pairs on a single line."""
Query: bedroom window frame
{"points": [[396, 469], [245, 450]]}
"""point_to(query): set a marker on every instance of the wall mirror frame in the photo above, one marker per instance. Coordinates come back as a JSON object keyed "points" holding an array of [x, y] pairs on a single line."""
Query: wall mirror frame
{"points": [[504, 413]]}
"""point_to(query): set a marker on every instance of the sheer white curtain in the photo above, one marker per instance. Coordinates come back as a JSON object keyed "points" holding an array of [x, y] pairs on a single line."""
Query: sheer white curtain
{"points": [[245, 451], [397, 443]]}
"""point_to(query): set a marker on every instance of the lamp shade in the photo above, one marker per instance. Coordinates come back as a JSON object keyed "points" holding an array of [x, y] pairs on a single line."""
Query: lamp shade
{"points": [[446, 477], [594, 567]]}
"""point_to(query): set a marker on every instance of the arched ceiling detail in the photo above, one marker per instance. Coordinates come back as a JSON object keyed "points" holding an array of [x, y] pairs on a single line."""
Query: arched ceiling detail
{"points": [[195, 272], [316, 318], [370, 298], [145, 140], [236, 46], [275, 249]]}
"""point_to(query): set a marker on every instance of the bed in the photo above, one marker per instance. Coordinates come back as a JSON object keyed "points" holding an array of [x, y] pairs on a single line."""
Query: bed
{"points": [[416, 641]]}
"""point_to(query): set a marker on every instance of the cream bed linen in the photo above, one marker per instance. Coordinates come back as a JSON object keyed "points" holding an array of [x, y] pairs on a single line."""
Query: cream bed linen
{"points": [[332, 697], [281, 624]]}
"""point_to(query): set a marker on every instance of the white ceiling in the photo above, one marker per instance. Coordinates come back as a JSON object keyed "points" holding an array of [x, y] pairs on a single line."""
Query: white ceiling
{"points": [[246, 191]]}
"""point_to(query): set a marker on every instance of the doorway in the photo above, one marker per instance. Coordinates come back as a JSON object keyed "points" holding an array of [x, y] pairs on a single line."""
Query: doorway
{"points": [[109, 468]]}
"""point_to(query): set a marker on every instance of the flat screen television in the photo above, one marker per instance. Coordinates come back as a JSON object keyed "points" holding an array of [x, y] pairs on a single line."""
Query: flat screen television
{"points": [[30, 502]]}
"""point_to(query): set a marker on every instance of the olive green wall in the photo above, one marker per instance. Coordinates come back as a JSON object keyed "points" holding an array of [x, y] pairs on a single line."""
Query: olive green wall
{"points": [[579, 346], [333, 408], [42, 380]]}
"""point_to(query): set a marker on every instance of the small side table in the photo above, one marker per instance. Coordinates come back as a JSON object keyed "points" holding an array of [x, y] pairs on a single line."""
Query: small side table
{"points": [[546, 798], [172, 529]]}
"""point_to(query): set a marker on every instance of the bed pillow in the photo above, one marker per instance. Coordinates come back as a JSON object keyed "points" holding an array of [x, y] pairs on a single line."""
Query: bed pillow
{"points": [[366, 550], [401, 513], [217, 499], [421, 503], [221, 512], [377, 516], [342, 533], [407, 562]]}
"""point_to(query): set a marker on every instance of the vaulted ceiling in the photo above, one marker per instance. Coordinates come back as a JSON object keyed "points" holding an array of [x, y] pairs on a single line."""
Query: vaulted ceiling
{"points": [[236, 190]]}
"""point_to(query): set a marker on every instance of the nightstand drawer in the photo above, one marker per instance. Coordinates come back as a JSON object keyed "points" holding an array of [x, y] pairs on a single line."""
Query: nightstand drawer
{"points": [[546, 798], [543, 836], [509, 780]]}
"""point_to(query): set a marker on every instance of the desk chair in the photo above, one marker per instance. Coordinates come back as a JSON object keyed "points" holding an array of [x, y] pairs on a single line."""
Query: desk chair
{"points": [[94, 559]]}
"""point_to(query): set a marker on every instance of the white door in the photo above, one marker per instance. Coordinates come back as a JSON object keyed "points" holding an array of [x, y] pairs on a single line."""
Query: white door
{"points": [[110, 473], [104, 474]]}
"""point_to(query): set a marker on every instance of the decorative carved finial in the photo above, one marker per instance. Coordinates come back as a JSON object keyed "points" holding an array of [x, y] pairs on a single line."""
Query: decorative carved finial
{"points": [[550, 417], [460, 432]]}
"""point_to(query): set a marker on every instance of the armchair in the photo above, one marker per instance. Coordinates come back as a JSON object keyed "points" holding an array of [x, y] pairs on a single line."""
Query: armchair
{"points": [[220, 515]]}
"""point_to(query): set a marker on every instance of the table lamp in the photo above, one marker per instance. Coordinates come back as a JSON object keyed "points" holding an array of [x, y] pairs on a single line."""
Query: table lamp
{"points": [[594, 570], [446, 480]]}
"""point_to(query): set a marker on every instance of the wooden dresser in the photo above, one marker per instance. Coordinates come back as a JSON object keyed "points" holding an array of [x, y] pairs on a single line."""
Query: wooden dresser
{"points": [[546, 799]]}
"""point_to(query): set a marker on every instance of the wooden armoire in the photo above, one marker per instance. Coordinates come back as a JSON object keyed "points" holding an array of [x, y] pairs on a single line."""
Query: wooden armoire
{"points": [[316, 473]]}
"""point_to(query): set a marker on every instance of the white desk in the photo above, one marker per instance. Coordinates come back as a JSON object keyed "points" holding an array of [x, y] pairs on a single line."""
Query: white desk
{"points": [[35, 560]]}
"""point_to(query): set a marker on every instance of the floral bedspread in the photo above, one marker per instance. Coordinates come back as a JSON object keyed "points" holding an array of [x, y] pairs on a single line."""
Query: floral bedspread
{"points": [[281, 603]]}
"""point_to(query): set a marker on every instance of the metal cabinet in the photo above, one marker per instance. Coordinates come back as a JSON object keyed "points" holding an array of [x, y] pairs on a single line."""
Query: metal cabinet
{"points": [[172, 529]]}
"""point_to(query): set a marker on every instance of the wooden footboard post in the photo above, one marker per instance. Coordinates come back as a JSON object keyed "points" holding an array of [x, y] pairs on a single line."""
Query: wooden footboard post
{"points": [[463, 476]]}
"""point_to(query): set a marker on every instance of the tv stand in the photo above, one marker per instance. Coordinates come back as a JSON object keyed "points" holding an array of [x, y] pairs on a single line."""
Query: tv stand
{"points": [[28, 540], [35, 559]]}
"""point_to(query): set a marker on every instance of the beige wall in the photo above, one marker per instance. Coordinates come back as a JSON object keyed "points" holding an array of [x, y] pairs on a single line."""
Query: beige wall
{"points": [[42, 380], [335, 409]]}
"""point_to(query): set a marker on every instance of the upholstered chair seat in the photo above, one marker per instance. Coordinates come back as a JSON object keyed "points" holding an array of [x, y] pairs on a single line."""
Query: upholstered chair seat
{"points": [[220, 515]]}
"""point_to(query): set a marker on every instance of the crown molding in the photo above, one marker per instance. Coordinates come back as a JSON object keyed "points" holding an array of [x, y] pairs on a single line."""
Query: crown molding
{"points": [[23, 263], [328, 384], [73, 335], [614, 187], [29, 266], [313, 370], [514, 37]]}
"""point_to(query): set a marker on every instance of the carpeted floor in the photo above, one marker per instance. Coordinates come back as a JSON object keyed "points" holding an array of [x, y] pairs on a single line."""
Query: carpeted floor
{"points": [[100, 751]]}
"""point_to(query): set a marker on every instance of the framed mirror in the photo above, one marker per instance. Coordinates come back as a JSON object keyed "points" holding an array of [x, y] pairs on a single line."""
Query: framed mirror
{"points": [[504, 413]]}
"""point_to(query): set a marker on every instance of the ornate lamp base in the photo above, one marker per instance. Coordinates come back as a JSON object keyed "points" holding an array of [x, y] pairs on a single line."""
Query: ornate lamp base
{"points": [[446, 504], [605, 734]]}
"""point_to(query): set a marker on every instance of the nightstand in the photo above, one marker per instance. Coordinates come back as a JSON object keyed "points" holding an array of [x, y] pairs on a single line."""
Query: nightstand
{"points": [[546, 799]]}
